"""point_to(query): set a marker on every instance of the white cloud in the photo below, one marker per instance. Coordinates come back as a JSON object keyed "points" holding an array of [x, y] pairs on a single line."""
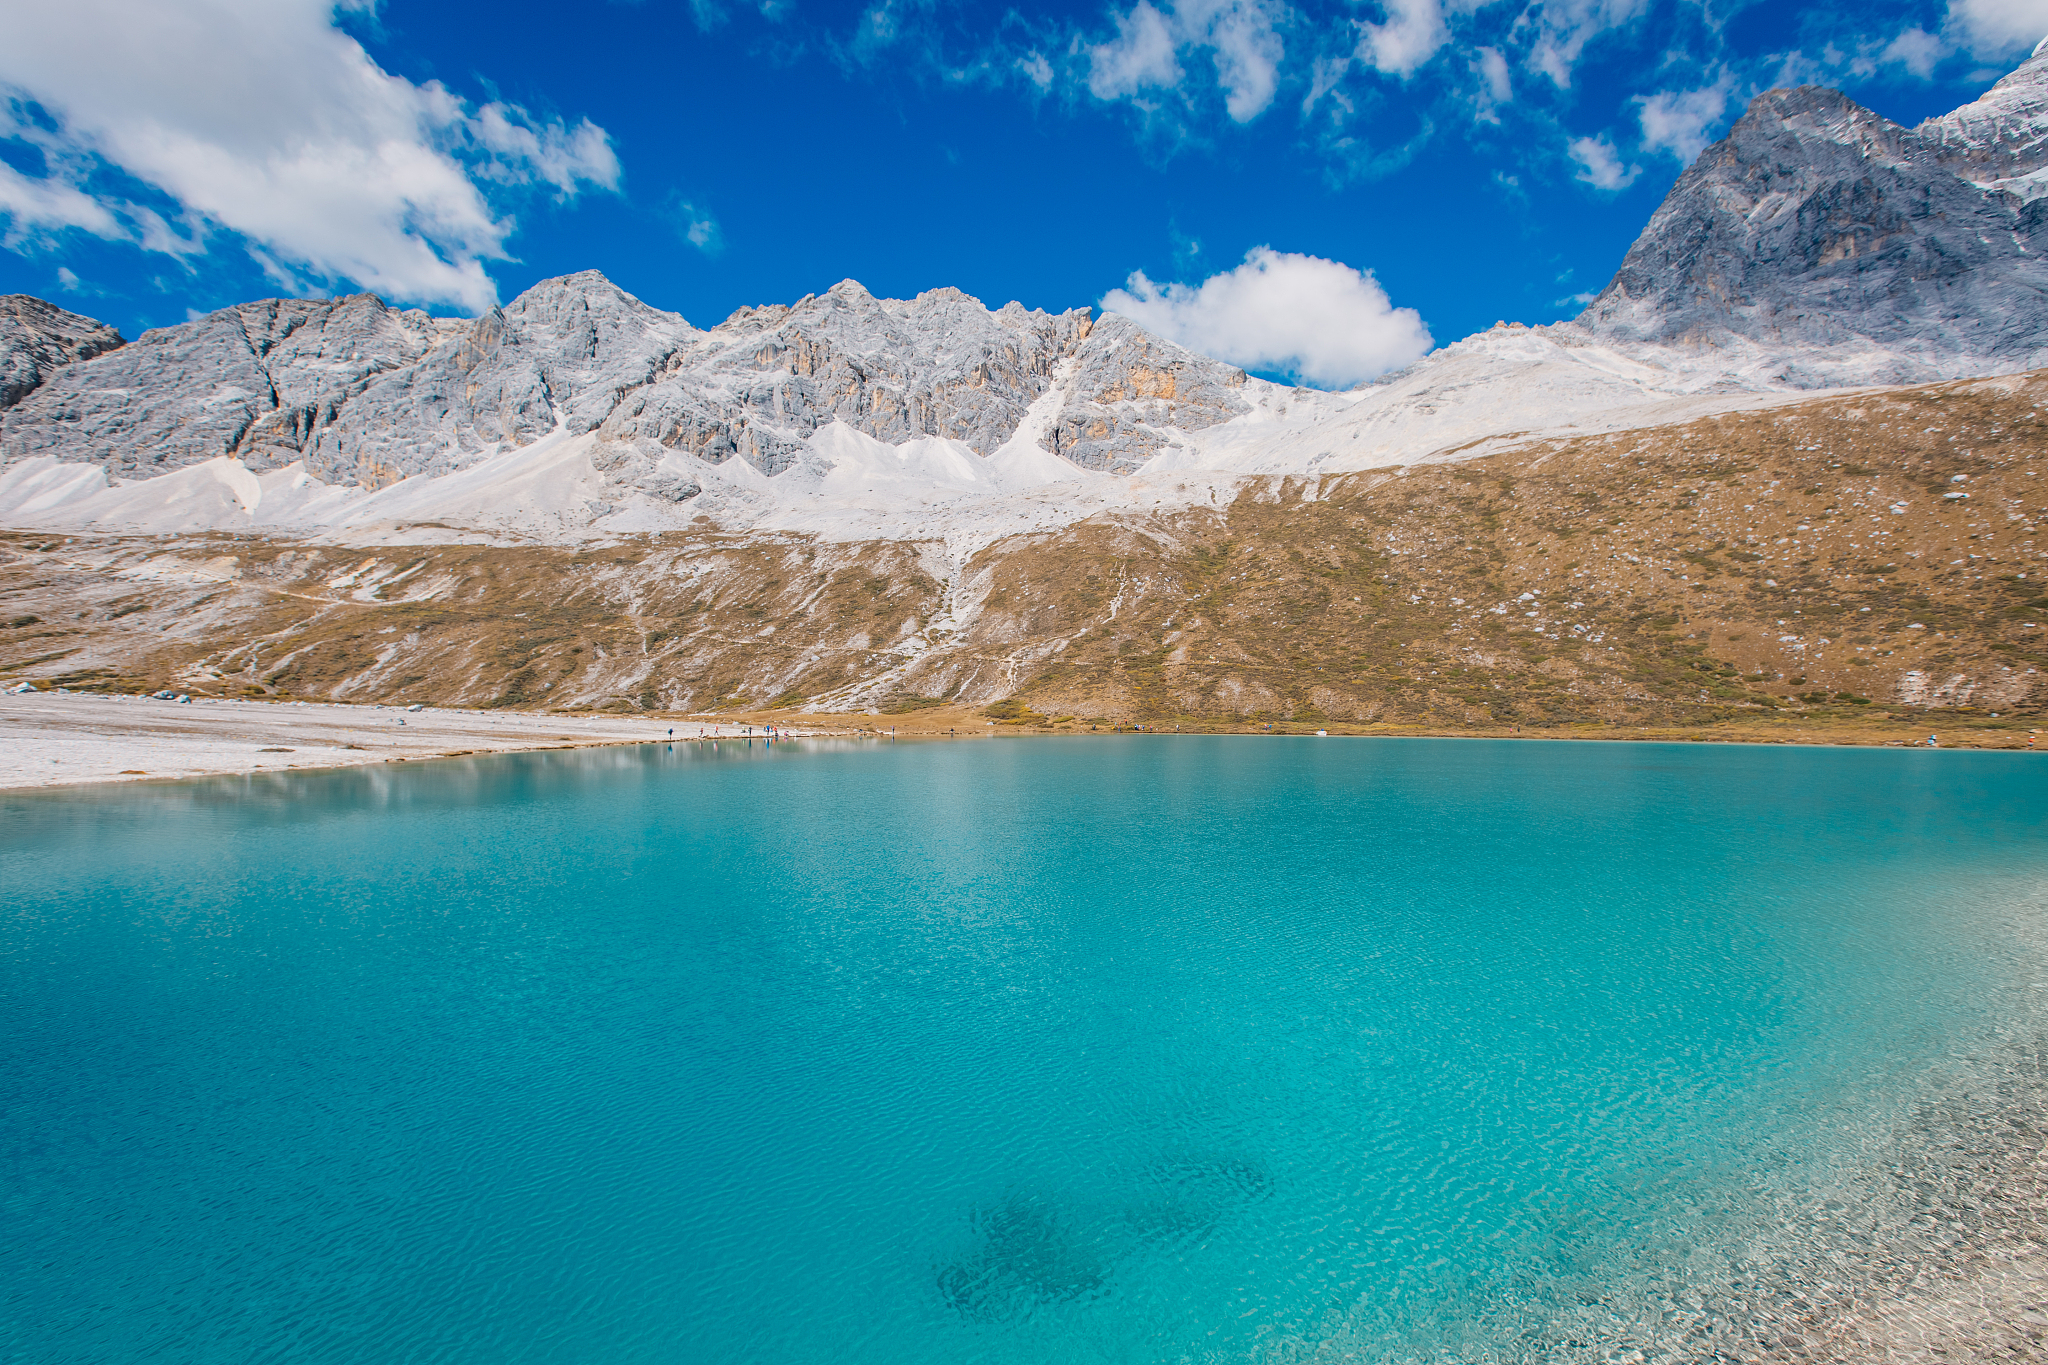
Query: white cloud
{"points": [[1600, 166], [262, 118], [1141, 55], [699, 228], [1681, 122], [1036, 69], [1495, 89], [68, 278], [1247, 52], [37, 207], [1564, 27], [1997, 28], [551, 153], [1241, 38], [1413, 33], [1917, 50], [1324, 79], [1303, 315], [158, 235]]}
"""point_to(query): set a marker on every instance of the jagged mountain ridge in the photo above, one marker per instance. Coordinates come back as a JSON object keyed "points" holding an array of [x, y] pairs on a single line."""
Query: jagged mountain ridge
{"points": [[1853, 551], [366, 395], [1818, 245], [762, 381], [1859, 250]]}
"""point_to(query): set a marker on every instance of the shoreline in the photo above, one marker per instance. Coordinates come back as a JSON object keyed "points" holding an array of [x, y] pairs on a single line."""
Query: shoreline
{"points": [[51, 740], [67, 739], [1887, 729]]}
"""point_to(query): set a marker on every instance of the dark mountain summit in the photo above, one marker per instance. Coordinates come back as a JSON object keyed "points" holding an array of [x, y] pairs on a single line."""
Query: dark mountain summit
{"points": [[1864, 251]]}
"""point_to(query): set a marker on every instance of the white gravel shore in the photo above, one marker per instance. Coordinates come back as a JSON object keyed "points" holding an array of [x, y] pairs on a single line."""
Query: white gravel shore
{"points": [[55, 738]]}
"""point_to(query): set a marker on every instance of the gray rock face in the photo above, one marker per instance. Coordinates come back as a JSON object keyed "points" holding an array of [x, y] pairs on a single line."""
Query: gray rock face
{"points": [[2000, 140], [367, 395], [1130, 388], [363, 393], [762, 381], [37, 339], [758, 384], [563, 352], [1817, 225], [257, 381]]}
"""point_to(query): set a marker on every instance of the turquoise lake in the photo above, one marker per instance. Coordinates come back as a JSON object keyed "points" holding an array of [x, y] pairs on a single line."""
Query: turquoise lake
{"points": [[1098, 1049]]}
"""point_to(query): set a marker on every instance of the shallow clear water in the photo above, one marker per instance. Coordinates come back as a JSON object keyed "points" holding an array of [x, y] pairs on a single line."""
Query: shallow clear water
{"points": [[1108, 1049]]}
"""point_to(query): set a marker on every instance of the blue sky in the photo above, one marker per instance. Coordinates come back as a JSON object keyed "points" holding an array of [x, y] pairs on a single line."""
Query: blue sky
{"points": [[1481, 161]]}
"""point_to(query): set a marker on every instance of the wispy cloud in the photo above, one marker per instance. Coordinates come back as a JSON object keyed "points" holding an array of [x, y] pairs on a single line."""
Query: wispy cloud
{"points": [[1244, 43], [1917, 50], [1147, 56], [1141, 57], [1682, 122], [1559, 31], [35, 209], [697, 226], [711, 14], [1036, 69], [1496, 88], [1413, 33], [1600, 165], [1373, 80], [1997, 28]]}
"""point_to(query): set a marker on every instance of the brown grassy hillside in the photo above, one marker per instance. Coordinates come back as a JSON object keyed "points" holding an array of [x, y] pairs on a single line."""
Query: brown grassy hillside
{"points": [[1805, 561]]}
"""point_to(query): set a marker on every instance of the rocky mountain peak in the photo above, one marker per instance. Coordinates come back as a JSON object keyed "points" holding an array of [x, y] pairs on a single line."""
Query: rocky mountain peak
{"points": [[37, 339], [257, 379], [1848, 248], [761, 382], [365, 394], [2001, 138]]}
